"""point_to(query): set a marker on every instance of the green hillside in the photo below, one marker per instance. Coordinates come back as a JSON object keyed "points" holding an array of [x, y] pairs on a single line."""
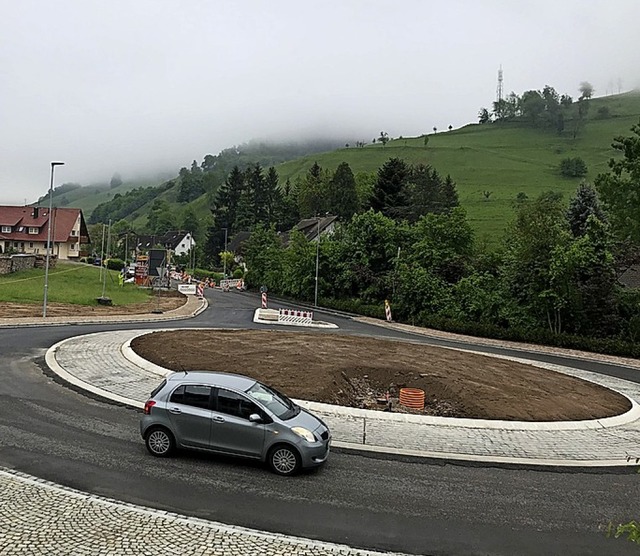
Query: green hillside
{"points": [[503, 159], [88, 197], [491, 163]]}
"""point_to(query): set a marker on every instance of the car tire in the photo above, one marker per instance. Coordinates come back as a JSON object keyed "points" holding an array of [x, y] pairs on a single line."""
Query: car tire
{"points": [[284, 460], [160, 442]]}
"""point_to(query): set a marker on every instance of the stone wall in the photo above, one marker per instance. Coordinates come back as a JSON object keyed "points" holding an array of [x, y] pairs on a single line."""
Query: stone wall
{"points": [[16, 263]]}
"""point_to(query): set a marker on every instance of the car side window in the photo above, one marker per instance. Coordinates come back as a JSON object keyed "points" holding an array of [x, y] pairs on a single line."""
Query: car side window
{"points": [[192, 394], [235, 404]]}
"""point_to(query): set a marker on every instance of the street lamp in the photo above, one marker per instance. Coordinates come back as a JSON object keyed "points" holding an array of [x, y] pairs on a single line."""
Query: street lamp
{"points": [[224, 256], [46, 264], [315, 303]]}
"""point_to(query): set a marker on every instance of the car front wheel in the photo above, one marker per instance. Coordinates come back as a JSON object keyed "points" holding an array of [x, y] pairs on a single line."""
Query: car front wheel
{"points": [[284, 460], [160, 442]]}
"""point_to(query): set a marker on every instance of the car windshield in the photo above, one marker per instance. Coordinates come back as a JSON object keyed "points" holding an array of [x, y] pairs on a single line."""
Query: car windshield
{"points": [[281, 406]]}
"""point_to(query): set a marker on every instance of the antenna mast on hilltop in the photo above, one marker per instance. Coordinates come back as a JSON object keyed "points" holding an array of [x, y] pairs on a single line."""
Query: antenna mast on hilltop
{"points": [[499, 89]]}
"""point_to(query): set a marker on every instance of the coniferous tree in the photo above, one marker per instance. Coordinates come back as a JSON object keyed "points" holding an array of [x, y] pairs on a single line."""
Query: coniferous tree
{"points": [[448, 195], [389, 192], [273, 197], [343, 196], [423, 192], [257, 197], [227, 199], [288, 214], [312, 192], [583, 205]]}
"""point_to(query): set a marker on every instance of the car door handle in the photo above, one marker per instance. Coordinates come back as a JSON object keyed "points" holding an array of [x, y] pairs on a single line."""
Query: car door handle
{"points": [[218, 419], [175, 410]]}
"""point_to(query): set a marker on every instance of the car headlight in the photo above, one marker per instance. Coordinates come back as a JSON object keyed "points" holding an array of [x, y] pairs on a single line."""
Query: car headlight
{"points": [[304, 433]]}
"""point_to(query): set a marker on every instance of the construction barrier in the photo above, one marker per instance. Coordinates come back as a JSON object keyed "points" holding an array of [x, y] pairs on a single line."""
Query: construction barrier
{"points": [[264, 300], [412, 397], [237, 283], [387, 310], [200, 290], [295, 316]]}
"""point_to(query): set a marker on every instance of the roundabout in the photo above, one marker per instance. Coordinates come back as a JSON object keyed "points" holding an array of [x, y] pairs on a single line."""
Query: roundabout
{"points": [[409, 496]]}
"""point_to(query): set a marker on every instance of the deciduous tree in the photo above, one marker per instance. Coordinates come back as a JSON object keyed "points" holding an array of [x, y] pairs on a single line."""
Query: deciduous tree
{"points": [[620, 188]]}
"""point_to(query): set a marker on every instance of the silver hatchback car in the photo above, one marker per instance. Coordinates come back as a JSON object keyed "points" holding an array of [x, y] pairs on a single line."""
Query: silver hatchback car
{"points": [[236, 415]]}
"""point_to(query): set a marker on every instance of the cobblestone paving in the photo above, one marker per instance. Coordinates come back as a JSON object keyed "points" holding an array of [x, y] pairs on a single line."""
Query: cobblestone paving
{"points": [[40, 518], [99, 361]]}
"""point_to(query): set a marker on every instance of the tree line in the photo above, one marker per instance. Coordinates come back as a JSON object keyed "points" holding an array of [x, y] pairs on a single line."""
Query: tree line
{"points": [[553, 279], [542, 109]]}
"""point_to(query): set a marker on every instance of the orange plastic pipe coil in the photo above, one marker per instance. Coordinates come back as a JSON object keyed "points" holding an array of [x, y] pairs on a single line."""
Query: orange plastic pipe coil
{"points": [[412, 397]]}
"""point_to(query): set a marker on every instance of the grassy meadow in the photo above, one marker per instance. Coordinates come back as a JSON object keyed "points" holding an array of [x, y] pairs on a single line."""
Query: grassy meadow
{"points": [[492, 163], [74, 283]]}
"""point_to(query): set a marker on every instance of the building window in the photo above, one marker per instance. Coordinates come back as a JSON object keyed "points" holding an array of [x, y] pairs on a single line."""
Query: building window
{"points": [[73, 246], [6, 229], [31, 245], [33, 230], [74, 232]]}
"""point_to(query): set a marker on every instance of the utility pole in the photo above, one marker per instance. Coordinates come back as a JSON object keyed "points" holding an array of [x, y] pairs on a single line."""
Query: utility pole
{"points": [[46, 265], [224, 256], [315, 302], [104, 276]]}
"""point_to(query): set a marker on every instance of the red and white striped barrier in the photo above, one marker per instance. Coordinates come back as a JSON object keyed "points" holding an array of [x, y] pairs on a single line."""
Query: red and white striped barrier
{"points": [[264, 300], [387, 310], [200, 290], [237, 283], [295, 316]]}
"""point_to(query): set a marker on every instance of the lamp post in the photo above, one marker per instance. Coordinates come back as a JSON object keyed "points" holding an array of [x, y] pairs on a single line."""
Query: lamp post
{"points": [[224, 256], [315, 302], [46, 264]]}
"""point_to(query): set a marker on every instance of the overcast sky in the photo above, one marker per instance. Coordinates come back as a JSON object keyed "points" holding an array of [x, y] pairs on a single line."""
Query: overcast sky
{"points": [[140, 86]]}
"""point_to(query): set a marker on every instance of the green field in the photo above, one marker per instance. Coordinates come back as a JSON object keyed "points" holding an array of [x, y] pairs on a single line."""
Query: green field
{"points": [[503, 159], [75, 283]]}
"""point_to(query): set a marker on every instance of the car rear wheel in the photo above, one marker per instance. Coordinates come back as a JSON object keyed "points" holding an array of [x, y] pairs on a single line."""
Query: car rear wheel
{"points": [[284, 460], [160, 442]]}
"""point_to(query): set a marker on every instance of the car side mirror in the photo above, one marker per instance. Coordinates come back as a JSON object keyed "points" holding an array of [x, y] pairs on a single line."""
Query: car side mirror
{"points": [[255, 418]]}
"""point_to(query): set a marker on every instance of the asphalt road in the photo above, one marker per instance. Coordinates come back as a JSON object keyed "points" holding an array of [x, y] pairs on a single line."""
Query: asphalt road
{"points": [[50, 431]]}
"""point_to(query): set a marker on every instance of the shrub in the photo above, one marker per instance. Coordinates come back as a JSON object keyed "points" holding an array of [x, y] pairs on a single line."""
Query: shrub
{"points": [[573, 167], [115, 264], [238, 273]]}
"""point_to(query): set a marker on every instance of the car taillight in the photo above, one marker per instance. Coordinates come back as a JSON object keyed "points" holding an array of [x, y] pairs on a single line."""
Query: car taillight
{"points": [[148, 405]]}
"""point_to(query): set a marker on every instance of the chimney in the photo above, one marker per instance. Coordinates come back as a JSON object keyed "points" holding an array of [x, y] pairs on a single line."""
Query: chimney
{"points": [[35, 212]]}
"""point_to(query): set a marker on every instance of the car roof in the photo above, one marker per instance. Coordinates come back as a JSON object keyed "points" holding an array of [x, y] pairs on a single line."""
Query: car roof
{"points": [[213, 378]]}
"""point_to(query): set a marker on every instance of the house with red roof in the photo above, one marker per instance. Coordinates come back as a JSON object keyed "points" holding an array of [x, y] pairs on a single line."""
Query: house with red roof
{"points": [[25, 230]]}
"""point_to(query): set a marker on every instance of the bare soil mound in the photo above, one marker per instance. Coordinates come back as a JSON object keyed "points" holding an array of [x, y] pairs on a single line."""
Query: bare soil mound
{"points": [[358, 372]]}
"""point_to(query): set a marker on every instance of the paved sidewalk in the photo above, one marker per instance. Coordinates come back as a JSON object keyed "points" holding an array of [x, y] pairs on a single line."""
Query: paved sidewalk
{"points": [[43, 519], [104, 364]]}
